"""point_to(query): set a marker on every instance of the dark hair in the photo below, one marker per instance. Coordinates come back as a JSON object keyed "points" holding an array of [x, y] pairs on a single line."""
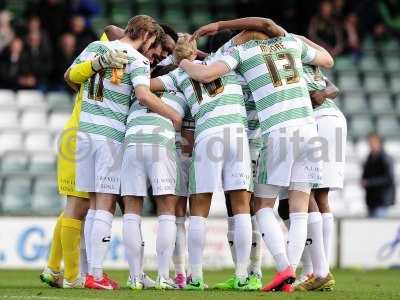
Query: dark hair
{"points": [[162, 70], [218, 40], [169, 31]]}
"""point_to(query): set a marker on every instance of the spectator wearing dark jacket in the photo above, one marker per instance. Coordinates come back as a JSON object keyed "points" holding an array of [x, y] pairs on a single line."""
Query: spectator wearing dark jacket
{"points": [[11, 65], [84, 34], [378, 179]]}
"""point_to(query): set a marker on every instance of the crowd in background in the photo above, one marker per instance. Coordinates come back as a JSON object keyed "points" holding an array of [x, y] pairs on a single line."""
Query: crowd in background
{"points": [[36, 49]]}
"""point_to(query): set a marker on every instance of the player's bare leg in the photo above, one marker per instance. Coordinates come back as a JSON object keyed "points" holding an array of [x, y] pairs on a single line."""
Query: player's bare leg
{"points": [[166, 236], [179, 255], [199, 205], [132, 239]]}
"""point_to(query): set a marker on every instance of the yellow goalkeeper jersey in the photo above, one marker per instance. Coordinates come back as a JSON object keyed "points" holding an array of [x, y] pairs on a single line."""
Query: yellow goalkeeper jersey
{"points": [[66, 158]]}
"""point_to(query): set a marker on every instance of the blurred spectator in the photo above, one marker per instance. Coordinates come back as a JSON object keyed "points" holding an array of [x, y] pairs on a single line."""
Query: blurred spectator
{"points": [[53, 15], [378, 179], [36, 62], [352, 35], [86, 8], [66, 53], [6, 31], [84, 35], [325, 30], [390, 13], [10, 64], [34, 25]]}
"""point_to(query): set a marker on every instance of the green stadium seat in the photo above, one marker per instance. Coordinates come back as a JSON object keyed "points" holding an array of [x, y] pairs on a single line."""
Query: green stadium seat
{"points": [[200, 18], [344, 63], [370, 64], [388, 126], [172, 15], [392, 63], [381, 103], [360, 126], [42, 162], [17, 192], [45, 199], [375, 82], [349, 81], [395, 82], [59, 101], [170, 3], [355, 103], [149, 8], [390, 46], [98, 24], [7, 98], [14, 162]]}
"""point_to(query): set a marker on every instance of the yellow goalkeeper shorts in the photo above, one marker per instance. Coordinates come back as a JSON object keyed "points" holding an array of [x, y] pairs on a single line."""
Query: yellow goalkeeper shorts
{"points": [[66, 165]]}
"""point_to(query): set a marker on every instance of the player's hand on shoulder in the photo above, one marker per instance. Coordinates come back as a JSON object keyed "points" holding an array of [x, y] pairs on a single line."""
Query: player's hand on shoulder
{"points": [[209, 29], [177, 122], [112, 59]]}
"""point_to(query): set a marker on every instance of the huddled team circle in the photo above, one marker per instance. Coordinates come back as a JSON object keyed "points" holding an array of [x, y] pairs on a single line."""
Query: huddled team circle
{"points": [[255, 119]]}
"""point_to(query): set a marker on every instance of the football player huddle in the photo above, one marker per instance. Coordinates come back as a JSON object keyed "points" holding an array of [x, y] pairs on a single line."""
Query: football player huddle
{"points": [[254, 119]]}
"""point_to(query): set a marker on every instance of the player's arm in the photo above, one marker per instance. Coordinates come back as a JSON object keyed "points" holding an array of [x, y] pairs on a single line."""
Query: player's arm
{"points": [[156, 105], [204, 73], [156, 85], [265, 25], [318, 97], [321, 58]]}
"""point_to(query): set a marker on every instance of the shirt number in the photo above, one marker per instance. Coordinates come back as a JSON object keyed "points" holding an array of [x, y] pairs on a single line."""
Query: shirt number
{"points": [[273, 70], [212, 88]]}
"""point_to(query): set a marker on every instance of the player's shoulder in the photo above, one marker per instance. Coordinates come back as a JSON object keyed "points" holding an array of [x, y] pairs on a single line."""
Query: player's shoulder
{"points": [[134, 56]]}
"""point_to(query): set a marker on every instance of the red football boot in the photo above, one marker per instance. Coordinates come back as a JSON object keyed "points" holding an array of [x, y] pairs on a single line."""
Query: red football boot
{"points": [[102, 284], [113, 282], [287, 288], [286, 276]]}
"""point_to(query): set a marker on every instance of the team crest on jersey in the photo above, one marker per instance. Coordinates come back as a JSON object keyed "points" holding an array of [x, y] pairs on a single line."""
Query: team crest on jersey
{"points": [[228, 51]]}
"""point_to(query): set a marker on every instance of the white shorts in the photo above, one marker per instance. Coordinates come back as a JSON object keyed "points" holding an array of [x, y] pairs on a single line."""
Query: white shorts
{"points": [[289, 155], [147, 164], [255, 146], [98, 166], [333, 130], [221, 162], [184, 166]]}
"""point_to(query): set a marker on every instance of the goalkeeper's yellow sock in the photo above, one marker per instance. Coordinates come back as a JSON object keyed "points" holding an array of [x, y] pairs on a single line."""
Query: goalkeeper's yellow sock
{"points": [[70, 240], [55, 253]]}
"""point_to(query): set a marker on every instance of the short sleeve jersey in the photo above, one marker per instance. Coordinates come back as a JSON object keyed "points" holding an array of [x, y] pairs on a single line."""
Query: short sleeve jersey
{"points": [[146, 127], [254, 130], [214, 106], [315, 82], [273, 69], [105, 105]]}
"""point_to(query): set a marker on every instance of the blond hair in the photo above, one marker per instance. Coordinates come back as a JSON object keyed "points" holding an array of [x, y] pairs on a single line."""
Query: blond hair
{"points": [[139, 25], [184, 47]]}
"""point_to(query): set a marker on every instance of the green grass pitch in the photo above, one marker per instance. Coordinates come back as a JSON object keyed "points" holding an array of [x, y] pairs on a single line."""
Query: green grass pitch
{"points": [[351, 284]]}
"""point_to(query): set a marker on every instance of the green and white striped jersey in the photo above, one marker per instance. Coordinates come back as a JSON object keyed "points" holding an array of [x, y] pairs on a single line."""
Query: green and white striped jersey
{"points": [[253, 129], [316, 82], [273, 69], [214, 106], [146, 127], [105, 105]]}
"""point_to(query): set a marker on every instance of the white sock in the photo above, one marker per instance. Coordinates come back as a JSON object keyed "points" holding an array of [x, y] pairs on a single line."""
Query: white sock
{"points": [[179, 256], [142, 246], [87, 231], [317, 253], [327, 231], [242, 244], [231, 238], [132, 240], [166, 236], [306, 262], [196, 241], [101, 238], [297, 237], [84, 268], [272, 234], [255, 254]]}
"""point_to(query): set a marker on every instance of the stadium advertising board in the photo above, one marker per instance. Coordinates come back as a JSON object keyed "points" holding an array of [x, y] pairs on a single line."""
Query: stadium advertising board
{"points": [[370, 243]]}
